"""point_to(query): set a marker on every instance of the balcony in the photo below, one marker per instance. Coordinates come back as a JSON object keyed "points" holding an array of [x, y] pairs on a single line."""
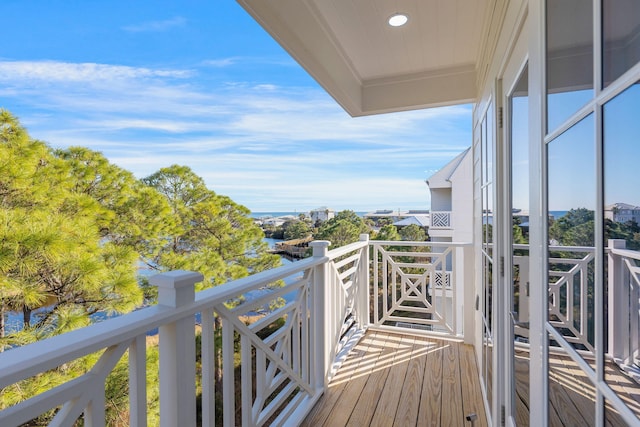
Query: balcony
{"points": [[372, 329]]}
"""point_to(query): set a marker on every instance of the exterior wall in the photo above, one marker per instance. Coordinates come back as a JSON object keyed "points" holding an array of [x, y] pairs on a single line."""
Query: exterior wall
{"points": [[462, 200], [441, 199], [322, 214]]}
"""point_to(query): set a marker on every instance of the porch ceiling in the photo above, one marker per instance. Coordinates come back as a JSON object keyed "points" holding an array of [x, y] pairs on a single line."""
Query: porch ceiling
{"points": [[370, 67]]}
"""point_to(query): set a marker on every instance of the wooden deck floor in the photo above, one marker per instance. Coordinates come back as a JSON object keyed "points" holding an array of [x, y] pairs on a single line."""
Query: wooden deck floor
{"points": [[402, 380], [572, 396]]}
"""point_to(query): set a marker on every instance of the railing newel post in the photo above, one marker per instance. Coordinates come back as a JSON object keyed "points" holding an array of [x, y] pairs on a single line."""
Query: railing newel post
{"points": [[618, 304], [319, 341], [177, 350]]}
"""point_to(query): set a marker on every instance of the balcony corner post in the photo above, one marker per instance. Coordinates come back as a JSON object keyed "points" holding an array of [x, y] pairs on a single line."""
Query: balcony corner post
{"points": [[320, 345], [177, 350], [618, 304], [363, 287]]}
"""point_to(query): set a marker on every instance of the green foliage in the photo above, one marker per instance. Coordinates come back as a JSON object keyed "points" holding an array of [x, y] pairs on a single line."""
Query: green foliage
{"points": [[51, 248], [343, 229], [296, 230], [387, 232], [73, 227], [212, 234], [576, 228], [629, 231], [413, 233]]}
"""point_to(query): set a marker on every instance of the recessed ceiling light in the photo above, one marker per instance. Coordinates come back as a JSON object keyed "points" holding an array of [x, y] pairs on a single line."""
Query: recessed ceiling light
{"points": [[398, 20]]}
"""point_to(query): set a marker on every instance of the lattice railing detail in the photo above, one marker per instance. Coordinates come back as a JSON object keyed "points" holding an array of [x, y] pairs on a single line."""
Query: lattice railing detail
{"points": [[440, 219], [413, 285], [570, 282]]}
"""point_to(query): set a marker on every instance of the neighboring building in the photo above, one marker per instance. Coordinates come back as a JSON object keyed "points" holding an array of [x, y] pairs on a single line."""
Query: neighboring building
{"points": [[622, 212], [322, 214], [452, 200], [420, 220]]}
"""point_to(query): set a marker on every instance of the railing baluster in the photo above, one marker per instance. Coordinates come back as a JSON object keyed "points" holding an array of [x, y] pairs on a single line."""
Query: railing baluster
{"points": [[208, 369], [138, 382], [246, 381], [228, 387]]}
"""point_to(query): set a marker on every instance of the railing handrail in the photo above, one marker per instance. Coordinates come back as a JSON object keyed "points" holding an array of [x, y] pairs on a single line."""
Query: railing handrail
{"points": [[626, 253], [426, 243]]}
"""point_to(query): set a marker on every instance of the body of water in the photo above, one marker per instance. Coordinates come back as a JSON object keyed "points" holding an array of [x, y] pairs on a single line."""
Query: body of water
{"points": [[294, 213]]}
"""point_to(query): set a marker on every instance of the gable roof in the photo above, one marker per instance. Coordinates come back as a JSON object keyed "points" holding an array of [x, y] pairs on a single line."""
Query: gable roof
{"points": [[442, 178]]}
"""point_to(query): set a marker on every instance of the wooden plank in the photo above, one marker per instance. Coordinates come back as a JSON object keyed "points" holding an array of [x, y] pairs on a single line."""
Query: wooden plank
{"points": [[431, 397], [402, 380], [385, 412], [521, 367], [627, 389], [366, 405], [472, 402], [451, 388], [580, 389], [325, 405], [343, 408], [407, 413], [559, 396]]}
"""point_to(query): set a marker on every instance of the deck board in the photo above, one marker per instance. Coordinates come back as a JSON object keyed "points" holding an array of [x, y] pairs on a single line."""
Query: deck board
{"points": [[402, 380]]}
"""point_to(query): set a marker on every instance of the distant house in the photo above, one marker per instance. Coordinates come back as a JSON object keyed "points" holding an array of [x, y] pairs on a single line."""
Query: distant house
{"points": [[322, 214], [421, 220], [622, 212]]}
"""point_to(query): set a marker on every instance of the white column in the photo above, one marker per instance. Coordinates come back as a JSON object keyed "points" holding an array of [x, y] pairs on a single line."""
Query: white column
{"points": [[177, 350], [618, 304], [320, 348]]}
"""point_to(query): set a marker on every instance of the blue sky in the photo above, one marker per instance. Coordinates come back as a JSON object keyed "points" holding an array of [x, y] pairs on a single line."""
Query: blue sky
{"points": [[152, 83]]}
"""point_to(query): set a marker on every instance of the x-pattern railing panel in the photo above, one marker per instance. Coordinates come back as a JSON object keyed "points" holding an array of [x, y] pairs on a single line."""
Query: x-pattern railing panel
{"points": [[568, 279], [413, 286], [274, 366]]}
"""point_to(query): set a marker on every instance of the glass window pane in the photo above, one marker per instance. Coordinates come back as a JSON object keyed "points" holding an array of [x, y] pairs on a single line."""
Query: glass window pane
{"points": [[621, 33], [621, 132], [569, 58], [571, 200]]}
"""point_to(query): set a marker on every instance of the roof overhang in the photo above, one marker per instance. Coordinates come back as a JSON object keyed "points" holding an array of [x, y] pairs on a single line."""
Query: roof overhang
{"points": [[350, 50]]}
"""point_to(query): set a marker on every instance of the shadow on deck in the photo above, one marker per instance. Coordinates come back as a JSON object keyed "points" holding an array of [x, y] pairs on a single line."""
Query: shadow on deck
{"points": [[402, 380]]}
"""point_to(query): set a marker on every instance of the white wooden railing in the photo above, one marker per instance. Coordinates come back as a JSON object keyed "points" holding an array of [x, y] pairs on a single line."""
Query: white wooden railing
{"points": [[421, 285], [288, 356], [569, 298], [283, 370], [572, 298]]}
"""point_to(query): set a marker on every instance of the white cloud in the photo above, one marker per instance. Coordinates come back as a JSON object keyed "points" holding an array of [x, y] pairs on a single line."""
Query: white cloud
{"points": [[50, 72], [220, 63], [156, 26], [266, 146]]}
